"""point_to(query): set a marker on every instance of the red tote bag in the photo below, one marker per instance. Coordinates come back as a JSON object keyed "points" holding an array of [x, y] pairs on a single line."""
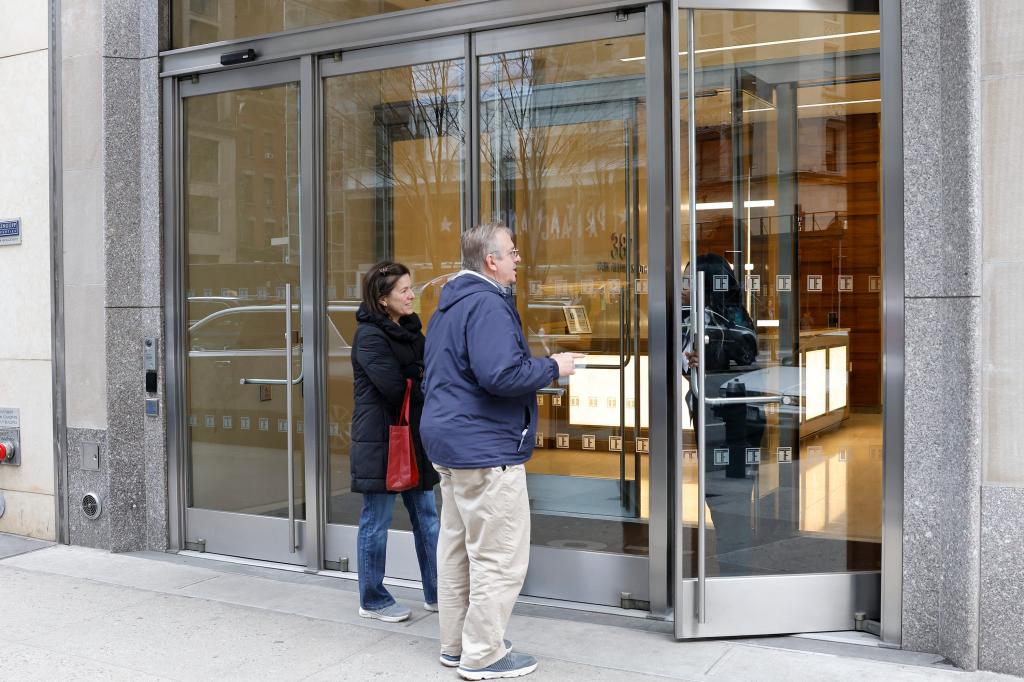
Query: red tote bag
{"points": [[402, 471]]}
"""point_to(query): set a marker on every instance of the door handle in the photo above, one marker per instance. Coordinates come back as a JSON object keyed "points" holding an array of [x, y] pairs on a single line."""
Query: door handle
{"points": [[698, 378], [288, 413]]}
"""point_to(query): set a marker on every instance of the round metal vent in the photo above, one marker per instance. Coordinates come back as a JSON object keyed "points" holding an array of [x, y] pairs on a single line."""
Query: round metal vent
{"points": [[91, 506]]}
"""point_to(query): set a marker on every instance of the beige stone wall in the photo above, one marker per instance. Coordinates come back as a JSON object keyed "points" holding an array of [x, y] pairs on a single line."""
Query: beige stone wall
{"points": [[1003, 239], [25, 306], [84, 263]]}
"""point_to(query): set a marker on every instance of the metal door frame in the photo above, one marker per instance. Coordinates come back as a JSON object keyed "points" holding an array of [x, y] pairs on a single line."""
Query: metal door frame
{"points": [[240, 532], [727, 597], [179, 67]]}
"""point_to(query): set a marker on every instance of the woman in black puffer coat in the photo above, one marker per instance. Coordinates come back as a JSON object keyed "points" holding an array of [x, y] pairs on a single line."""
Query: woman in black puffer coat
{"points": [[387, 350]]}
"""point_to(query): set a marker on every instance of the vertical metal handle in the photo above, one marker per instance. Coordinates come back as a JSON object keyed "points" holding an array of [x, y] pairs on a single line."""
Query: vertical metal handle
{"points": [[288, 413], [699, 345]]}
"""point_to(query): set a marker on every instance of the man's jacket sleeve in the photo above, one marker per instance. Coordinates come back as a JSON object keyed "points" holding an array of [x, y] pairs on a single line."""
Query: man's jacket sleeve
{"points": [[498, 362]]}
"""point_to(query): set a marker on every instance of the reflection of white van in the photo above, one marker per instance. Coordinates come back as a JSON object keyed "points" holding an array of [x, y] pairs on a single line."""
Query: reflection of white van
{"points": [[247, 342], [794, 406]]}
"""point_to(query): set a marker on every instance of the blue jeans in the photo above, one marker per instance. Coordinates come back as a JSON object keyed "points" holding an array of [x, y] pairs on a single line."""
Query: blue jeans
{"points": [[372, 544]]}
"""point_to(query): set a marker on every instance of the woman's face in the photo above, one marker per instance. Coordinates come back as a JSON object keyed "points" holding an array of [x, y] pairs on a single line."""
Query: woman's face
{"points": [[399, 302]]}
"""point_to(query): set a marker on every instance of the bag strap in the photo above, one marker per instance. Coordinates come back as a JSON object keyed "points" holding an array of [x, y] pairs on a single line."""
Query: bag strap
{"points": [[403, 418]]}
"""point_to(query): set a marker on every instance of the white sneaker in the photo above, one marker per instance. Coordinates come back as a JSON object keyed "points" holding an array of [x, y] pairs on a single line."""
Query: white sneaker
{"points": [[512, 665], [427, 606], [395, 613]]}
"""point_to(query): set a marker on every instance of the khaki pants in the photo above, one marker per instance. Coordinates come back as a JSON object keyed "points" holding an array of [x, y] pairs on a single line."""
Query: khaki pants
{"points": [[483, 550]]}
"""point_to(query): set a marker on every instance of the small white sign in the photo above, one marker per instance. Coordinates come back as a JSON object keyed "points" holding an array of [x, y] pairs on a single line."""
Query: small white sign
{"points": [[10, 232], [589, 442], [641, 287], [574, 401], [874, 283], [279, 241], [643, 445], [244, 423], [299, 426], [10, 418], [540, 401], [335, 429], [556, 400], [785, 455], [538, 440], [562, 440], [592, 401], [615, 443], [209, 421], [721, 456], [263, 424], [243, 292], [754, 283], [282, 425], [814, 282], [753, 455], [721, 283], [689, 455], [845, 282], [226, 422], [784, 282], [612, 402], [192, 421]]}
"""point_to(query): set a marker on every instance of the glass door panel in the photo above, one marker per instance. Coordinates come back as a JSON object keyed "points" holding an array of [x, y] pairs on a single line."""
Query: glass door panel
{"points": [[242, 248], [394, 157], [788, 242], [562, 141]]}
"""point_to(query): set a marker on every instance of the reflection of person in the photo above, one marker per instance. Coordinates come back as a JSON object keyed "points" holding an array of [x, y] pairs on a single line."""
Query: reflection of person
{"points": [[728, 487], [387, 350], [479, 420]]}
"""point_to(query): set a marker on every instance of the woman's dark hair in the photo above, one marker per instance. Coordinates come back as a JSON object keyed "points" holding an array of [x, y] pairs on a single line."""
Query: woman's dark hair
{"points": [[379, 281]]}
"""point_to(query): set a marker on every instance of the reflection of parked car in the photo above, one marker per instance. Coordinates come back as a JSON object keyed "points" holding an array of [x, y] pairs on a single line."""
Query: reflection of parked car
{"points": [[727, 342], [247, 342]]}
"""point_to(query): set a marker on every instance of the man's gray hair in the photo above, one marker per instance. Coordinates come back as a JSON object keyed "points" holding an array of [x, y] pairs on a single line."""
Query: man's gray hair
{"points": [[480, 241]]}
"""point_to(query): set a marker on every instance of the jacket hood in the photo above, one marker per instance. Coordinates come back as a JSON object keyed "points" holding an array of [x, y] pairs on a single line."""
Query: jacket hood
{"points": [[406, 331], [466, 283]]}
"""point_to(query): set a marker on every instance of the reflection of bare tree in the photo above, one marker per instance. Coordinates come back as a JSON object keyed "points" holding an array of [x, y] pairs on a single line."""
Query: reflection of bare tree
{"points": [[545, 150], [398, 139]]}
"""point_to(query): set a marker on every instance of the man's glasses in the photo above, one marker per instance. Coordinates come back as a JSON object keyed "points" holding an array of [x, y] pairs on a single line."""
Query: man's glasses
{"points": [[514, 253]]}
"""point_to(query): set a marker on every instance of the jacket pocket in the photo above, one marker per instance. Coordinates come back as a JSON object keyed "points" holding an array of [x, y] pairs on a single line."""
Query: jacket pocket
{"points": [[526, 427]]}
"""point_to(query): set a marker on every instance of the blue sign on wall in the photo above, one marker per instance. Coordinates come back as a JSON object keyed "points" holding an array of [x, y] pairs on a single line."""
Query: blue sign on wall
{"points": [[10, 232]]}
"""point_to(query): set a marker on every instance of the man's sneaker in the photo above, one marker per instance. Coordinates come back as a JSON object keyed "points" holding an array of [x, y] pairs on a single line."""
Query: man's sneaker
{"points": [[452, 661], [395, 613], [512, 665], [430, 607]]}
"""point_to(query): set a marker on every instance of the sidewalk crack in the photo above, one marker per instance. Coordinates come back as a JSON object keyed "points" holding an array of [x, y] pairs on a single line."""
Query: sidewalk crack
{"points": [[718, 660]]}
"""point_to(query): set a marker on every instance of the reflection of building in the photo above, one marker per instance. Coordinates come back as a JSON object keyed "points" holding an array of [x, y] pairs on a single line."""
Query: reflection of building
{"points": [[182, 179]]}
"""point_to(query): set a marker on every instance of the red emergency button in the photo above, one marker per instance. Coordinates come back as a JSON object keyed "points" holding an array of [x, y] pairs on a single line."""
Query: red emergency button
{"points": [[6, 451]]}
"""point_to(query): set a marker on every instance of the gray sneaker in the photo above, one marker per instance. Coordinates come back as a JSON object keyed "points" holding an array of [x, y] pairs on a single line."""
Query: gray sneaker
{"points": [[452, 661], [395, 613], [512, 665]]}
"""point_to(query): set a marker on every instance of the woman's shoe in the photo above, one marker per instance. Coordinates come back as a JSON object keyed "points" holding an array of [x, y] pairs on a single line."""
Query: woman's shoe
{"points": [[430, 607], [395, 613]]}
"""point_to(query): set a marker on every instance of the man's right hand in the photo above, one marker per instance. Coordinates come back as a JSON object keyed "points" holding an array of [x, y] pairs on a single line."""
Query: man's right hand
{"points": [[567, 362]]}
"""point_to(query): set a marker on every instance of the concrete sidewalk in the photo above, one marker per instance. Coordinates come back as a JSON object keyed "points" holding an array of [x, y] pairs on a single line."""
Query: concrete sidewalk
{"points": [[74, 613]]}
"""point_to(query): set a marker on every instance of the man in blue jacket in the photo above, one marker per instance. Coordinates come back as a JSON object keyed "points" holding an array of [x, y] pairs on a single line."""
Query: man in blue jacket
{"points": [[478, 424]]}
